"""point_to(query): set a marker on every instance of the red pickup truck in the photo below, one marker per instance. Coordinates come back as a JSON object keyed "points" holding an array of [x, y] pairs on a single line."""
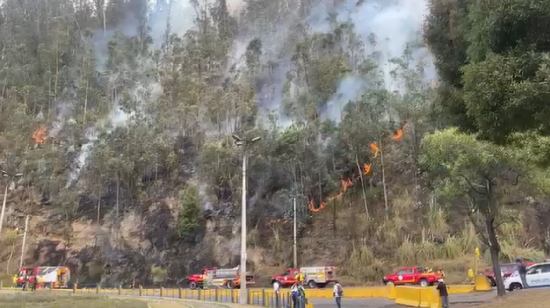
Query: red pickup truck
{"points": [[411, 275]]}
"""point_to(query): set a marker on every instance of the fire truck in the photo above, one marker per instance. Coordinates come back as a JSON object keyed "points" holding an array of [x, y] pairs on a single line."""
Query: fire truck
{"points": [[48, 277], [220, 277], [314, 276]]}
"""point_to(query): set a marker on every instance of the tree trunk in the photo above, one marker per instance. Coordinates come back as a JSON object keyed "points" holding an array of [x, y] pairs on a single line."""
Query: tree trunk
{"points": [[386, 205], [494, 248], [362, 185]]}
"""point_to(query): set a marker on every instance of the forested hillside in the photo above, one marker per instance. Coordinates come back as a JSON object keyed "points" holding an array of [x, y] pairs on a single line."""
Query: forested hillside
{"points": [[409, 132]]}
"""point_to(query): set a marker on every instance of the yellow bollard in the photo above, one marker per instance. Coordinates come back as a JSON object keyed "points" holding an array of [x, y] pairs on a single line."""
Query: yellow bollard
{"points": [[75, 286], [161, 292], [119, 289], [1, 285], [180, 293]]}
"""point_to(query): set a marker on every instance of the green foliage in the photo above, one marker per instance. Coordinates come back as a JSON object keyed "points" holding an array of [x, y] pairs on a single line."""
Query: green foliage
{"points": [[159, 274], [493, 60], [508, 93], [459, 161], [189, 211]]}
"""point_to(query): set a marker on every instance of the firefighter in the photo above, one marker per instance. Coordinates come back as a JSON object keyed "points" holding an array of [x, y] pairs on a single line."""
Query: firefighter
{"points": [[441, 273], [298, 296], [471, 275], [300, 278]]}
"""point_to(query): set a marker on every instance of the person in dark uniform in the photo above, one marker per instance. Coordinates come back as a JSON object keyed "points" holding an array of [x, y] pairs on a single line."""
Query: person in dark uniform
{"points": [[443, 293], [522, 271]]}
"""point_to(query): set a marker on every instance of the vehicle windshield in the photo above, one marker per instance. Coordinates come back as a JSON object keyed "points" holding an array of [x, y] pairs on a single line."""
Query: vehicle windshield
{"points": [[286, 273], [508, 268]]}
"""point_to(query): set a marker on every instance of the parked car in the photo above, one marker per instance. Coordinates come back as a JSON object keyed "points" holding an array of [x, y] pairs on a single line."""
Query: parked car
{"points": [[538, 275], [506, 270]]}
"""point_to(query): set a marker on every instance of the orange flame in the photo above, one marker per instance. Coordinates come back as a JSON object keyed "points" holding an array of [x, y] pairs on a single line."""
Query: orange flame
{"points": [[39, 135], [346, 184], [366, 168], [374, 148], [398, 134]]}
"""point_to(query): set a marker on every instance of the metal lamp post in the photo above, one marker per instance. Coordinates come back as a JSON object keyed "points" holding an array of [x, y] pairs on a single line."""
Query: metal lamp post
{"points": [[243, 144], [8, 176]]}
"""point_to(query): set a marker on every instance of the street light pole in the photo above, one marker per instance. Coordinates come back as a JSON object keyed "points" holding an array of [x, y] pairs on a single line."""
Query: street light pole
{"points": [[295, 246], [243, 296]]}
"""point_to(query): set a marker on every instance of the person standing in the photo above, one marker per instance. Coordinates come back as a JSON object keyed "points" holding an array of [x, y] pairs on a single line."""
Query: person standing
{"points": [[276, 292], [338, 293], [299, 278], [443, 293], [294, 295], [522, 270], [471, 275]]}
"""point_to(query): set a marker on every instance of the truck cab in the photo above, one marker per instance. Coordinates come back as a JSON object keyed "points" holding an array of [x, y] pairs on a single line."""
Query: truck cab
{"points": [[314, 276], [411, 275], [287, 278]]}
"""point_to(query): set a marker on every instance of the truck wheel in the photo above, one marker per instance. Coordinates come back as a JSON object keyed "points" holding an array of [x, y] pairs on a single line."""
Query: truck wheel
{"points": [[492, 281], [192, 285], [229, 284], [423, 283], [515, 286], [389, 283], [312, 284], [321, 285], [274, 281]]}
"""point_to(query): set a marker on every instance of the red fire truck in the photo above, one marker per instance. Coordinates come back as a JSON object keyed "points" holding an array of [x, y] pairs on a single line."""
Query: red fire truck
{"points": [[50, 277], [221, 277]]}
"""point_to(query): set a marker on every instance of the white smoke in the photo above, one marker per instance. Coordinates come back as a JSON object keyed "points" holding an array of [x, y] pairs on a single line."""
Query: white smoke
{"points": [[392, 26]]}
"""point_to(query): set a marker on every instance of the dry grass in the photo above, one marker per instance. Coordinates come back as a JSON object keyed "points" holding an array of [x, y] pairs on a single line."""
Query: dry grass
{"points": [[44, 300], [433, 238], [520, 299]]}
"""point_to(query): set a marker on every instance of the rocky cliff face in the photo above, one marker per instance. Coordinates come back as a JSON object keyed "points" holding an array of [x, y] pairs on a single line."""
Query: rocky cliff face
{"points": [[120, 252]]}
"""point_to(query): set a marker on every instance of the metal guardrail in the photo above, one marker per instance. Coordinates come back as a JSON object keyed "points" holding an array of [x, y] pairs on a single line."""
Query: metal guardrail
{"points": [[261, 298]]}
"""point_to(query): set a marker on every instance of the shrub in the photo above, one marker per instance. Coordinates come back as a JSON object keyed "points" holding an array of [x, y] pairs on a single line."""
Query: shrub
{"points": [[189, 213]]}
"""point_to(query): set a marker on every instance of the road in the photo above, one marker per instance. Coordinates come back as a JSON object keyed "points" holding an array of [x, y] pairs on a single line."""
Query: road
{"points": [[385, 303]]}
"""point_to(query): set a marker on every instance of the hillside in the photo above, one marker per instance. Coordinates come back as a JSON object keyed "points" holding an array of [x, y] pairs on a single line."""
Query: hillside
{"points": [[402, 129]]}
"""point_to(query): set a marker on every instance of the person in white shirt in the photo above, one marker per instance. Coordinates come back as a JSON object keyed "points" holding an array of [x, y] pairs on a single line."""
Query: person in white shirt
{"points": [[338, 292], [276, 287]]}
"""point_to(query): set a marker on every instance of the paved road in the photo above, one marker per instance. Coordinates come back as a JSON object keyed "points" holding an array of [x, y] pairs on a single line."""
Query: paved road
{"points": [[385, 303]]}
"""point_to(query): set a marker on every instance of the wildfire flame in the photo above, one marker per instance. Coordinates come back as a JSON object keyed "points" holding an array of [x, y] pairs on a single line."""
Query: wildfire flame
{"points": [[398, 134], [315, 210], [40, 136], [346, 184], [366, 169], [374, 148]]}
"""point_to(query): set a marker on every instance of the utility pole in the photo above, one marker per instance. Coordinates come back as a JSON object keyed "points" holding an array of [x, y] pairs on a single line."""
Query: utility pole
{"points": [[243, 296], [24, 242], [295, 246], [3, 208], [5, 200]]}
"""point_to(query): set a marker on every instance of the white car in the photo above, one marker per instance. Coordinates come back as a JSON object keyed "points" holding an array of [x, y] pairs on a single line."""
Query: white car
{"points": [[538, 275]]}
